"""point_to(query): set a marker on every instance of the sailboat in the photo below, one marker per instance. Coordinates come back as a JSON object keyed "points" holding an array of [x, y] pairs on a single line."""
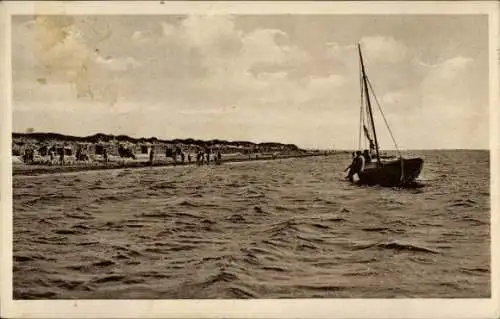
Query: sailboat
{"points": [[397, 172]]}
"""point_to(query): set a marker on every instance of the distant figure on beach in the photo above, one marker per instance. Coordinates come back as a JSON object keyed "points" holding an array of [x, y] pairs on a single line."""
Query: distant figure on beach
{"points": [[61, 157], [357, 166], [207, 154], [28, 156], [219, 155], [182, 157], [189, 157], [105, 155], [51, 155], [151, 156], [78, 154], [198, 159]]}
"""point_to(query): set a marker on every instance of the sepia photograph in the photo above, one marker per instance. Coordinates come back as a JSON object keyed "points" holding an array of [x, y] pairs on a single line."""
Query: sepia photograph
{"points": [[231, 154]]}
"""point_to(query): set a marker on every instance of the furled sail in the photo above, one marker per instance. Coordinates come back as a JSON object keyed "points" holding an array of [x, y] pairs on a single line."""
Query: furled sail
{"points": [[367, 134]]}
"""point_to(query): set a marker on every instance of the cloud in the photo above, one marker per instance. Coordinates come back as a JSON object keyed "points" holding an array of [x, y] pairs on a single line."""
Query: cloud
{"points": [[384, 49], [447, 70], [217, 61], [245, 78]]}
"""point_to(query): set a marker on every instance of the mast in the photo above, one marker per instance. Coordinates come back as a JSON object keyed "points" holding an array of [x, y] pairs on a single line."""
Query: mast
{"points": [[367, 94]]}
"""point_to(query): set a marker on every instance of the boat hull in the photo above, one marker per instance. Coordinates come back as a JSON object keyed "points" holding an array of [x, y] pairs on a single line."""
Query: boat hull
{"points": [[394, 173]]}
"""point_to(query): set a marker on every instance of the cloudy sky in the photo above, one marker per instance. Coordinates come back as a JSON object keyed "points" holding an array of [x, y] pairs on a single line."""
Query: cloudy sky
{"points": [[284, 78]]}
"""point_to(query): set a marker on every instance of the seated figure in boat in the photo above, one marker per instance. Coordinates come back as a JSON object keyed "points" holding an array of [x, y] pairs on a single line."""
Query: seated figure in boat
{"points": [[367, 157], [357, 166]]}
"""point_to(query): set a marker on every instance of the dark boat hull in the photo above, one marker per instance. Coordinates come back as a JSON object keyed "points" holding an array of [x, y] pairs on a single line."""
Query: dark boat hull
{"points": [[395, 173]]}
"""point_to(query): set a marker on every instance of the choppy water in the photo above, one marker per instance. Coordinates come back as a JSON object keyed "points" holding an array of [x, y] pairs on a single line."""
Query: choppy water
{"points": [[278, 229]]}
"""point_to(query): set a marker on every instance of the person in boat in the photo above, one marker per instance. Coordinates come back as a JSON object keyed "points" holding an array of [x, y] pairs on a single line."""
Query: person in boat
{"points": [[367, 156], [357, 166]]}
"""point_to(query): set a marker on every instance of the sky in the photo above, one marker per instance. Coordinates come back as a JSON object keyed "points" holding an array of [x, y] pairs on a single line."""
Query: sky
{"points": [[280, 78]]}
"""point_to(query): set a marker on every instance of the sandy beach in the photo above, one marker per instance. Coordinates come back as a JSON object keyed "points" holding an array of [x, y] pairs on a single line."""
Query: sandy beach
{"points": [[19, 168]]}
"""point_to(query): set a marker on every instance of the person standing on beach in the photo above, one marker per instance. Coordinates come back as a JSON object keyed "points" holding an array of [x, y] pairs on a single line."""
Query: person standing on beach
{"points": [[151, 156], [51, 155], [78, 154], [61, 157], [105, 155], [174, 155]]}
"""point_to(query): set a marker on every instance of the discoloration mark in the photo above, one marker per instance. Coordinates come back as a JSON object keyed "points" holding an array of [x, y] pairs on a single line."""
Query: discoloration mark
{"points": [[68, 55]]}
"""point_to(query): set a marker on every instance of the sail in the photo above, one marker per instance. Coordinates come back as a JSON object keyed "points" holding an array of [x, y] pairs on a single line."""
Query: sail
{"points": [[365, 92], [368, 137]]}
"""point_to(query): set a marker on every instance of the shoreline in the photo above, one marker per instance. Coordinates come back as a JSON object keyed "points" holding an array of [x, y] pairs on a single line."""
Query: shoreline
{"points": [[33, 170]]}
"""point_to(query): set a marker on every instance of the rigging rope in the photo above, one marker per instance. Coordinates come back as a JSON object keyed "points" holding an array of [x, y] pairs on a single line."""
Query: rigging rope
{"points": [[383, 116]]}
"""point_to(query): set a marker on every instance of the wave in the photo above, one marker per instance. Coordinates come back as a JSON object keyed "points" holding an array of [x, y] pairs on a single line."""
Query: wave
{"points": [[237, 219], [320, 226], [49, 199], [163, 185], [25, 258], [251, 194], [108, 279], [259, 210], [475, 270], [223, 276], [67, 232], [112, 198], [34, 294], [281, 229], [320, 287], [406, 247], [84, 215], [474, 221], [187, 203], [241, 292], [462, 203], [376, 229], [400, 247]]}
